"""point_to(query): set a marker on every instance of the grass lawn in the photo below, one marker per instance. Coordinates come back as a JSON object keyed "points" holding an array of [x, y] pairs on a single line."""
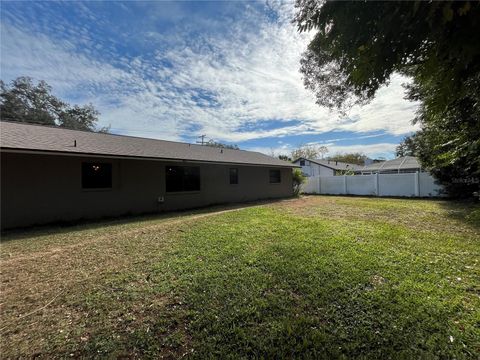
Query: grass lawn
{"points": [[315, 277]]}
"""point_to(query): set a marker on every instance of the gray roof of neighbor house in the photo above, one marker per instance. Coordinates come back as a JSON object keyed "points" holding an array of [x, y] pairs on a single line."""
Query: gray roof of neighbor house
{"points": [[332, 164], [16, 136], [401, 163]]}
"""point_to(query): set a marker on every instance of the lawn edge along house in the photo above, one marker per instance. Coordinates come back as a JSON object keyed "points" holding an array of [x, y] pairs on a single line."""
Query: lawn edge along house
{"points": [[53, 174]]}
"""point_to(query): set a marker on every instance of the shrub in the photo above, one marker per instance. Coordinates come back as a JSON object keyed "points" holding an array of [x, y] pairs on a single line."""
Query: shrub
{"points": [[298, 180]]}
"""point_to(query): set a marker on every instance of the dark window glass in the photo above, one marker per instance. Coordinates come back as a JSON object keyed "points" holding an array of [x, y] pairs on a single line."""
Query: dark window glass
{"points": [[302, 162], [96, 175], [233, 176], [275, 177], [182, 178]]}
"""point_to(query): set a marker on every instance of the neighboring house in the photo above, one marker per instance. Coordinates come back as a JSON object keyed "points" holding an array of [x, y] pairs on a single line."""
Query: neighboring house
{"points": [[52, 174], [320, 167], [405, 164]]}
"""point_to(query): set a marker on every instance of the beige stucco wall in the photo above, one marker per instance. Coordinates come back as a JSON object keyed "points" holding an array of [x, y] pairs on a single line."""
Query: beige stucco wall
{"points": [[38, 189]]}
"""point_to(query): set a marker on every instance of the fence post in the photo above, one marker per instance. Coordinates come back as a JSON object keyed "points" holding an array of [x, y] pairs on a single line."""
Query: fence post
{"points": [[345, 184], [377, 190], [416, 178]]}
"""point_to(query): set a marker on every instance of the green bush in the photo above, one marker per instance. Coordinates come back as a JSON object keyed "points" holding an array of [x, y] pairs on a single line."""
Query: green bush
{"points": [[298, 180]]}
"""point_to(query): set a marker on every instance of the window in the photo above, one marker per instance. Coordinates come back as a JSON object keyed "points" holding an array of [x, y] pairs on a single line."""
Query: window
{"points": [[302, 162], [233, 176], [182, 178], [96, 175], [275, 177]]}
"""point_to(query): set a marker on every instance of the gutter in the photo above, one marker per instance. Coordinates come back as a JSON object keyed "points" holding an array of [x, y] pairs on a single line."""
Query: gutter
{"points": [[128, 157]]}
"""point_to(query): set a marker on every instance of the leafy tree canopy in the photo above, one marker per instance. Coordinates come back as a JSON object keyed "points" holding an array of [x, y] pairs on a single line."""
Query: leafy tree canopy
{"points": [[351, 158], [285, 157], [216, 144], [407, 147], [309, 152], [24, 101], [359, 45]]}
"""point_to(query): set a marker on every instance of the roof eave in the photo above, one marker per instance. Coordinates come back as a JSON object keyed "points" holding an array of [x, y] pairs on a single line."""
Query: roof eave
{"points": [[110, 156]]}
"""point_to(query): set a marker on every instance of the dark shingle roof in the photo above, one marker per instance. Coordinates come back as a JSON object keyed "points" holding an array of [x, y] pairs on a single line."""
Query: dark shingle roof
{"points": [[21, 136]]}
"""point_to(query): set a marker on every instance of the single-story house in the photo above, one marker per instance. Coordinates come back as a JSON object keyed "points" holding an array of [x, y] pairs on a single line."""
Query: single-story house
{"points": [[405, 164], [320, 167], [51, 174]]}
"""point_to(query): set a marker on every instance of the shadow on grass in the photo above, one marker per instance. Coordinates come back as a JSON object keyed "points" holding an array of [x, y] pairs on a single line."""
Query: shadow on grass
{"points": [[466, 211], [60, 227], [373, 197]]}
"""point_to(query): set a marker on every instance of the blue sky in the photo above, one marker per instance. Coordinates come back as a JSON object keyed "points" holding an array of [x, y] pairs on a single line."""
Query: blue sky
{"points": [[176, 70]]}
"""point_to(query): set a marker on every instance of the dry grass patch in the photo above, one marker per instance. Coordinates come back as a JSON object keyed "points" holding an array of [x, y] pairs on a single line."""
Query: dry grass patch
{"points": [[61, 286], [423, 215]]}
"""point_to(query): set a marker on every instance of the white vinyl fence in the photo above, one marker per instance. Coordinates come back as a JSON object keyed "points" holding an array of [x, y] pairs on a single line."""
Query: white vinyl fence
{"points": [[410, 185]]}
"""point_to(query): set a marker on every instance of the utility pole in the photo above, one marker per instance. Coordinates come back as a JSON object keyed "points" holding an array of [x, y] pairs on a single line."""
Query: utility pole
{"points": [[203, 139]]}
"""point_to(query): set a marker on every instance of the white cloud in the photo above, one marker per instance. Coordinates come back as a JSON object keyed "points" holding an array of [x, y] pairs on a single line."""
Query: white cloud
{"points": [[379, 150], [387, 111], [248, 75], [372, 150], [24, 54]]}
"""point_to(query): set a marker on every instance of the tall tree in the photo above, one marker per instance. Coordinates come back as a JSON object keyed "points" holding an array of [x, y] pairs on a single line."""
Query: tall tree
{"points": [[217, 144], [407, 147], [351, 158], [284, 157], [309, 152], [24, 101], [359, 45]]}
